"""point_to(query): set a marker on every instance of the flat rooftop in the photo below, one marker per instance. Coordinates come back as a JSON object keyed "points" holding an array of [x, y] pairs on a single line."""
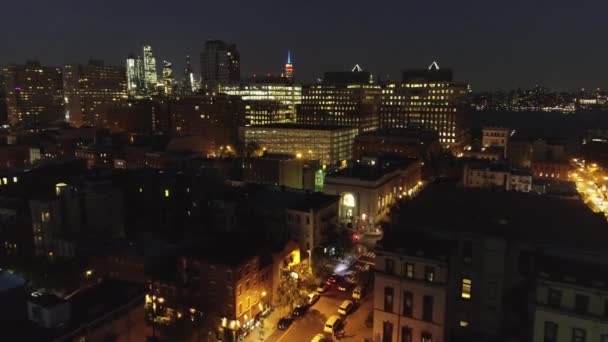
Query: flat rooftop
{"points": [[368, 172], [511, 215], [302, 127]]}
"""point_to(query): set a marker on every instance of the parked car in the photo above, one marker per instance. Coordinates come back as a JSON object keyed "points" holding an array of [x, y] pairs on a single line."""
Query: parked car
{"points": [[334, 278], [285, 322], [299, 310], [333, 324], [322, 288], [345, 286], [319, 338], [346, 307], [357, 293], [313, 298]]}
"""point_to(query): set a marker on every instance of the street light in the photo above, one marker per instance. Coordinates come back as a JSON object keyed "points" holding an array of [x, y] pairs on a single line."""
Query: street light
{"points": [[309, 260]]}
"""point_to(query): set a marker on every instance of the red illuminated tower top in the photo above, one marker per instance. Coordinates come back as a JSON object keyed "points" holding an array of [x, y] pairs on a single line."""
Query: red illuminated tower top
{"points": [[289, 67]]}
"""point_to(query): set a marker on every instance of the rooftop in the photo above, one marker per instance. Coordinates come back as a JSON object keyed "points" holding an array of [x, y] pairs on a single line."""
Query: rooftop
{"points": [[416, 244], [302, 127], [410, 134], [374, 171], [525, 217], [314, 201], [593, 275]]}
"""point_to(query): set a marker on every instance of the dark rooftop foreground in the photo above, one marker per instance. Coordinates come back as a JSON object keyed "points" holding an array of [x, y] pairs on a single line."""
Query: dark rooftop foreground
{"points": [[511, 215]]}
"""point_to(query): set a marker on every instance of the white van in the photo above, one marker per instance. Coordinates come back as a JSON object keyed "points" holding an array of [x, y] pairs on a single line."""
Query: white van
{"points": [[333, 323]]}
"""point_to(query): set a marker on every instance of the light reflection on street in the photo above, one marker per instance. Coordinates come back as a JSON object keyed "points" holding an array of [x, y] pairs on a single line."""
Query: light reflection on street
{"points": [[591, 182]]}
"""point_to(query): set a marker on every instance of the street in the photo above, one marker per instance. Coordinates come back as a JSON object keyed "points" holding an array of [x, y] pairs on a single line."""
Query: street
{"points": [[591, 181], [303, 329]]}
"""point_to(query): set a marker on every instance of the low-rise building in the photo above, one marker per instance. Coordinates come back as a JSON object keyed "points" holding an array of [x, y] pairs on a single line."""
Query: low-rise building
{"points": [[275, 169], [494, 175], [329, 144], [310, 219], [571, 302], [404, 142], [496, 137], [411, 290], [370, 187]]}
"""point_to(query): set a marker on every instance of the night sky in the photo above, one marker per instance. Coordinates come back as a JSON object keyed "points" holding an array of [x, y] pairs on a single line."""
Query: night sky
{"points": [[490, 44]]}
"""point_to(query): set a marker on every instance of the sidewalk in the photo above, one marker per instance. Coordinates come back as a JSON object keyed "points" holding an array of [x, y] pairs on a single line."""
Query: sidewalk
{"points": [[270, 326]]}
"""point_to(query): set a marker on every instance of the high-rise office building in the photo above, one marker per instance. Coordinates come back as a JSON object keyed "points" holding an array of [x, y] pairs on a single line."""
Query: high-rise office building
{"points": [[136, 82], [189, 75], [220, 64], [88, 88], [34, 94], [344, 98], [427, 98], [168, 81], [150, 74], [289, 67], [267, 100]]}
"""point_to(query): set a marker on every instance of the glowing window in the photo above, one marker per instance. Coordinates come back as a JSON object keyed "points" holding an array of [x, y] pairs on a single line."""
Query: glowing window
{"points": [[466, 288], [348, 200]]}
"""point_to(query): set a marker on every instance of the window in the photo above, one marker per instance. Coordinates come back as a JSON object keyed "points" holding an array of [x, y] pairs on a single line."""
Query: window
{"points": [[578, 335], [555, 298], [387, 331], [605, 307], [408, 270], [466, 288], [604, 338], [247, 285], [426, 337], [467, 252], [408, 303], [406, 334], [550, 332], [581, 303], [427, 308], [238, 290], [388, 299], [389, 266], [429, 274]]}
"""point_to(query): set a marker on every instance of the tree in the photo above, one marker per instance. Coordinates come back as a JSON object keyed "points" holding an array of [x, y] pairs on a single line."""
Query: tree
{"points": [[253, 149], [296, 280]]}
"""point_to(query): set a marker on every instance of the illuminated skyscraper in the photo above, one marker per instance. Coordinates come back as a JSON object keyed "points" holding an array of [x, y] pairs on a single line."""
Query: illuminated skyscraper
{"points": [[168, 81], [136, 83], [89, 88], [150, 74], [189, 74], [220, 64], [289, 67], [34, 94], [427, 98]]}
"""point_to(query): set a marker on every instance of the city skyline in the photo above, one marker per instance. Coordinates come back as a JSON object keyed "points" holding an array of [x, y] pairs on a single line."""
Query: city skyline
{"points": [[518, 46]]}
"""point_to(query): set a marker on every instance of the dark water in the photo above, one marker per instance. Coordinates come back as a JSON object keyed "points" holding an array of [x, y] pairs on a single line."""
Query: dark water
{"points": [[571, 127]]}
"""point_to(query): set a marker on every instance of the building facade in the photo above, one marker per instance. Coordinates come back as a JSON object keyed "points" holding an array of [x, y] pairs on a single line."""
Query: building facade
{"points": [[34, 94], [570, 305], [501, 176], [150, 73], [220, 64], [267, 100], [405, 142], [495, 137], [329, 144], [410, 294], [342, 99], [367, 192], [429, 99], [89, 88], [136, 82]]}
